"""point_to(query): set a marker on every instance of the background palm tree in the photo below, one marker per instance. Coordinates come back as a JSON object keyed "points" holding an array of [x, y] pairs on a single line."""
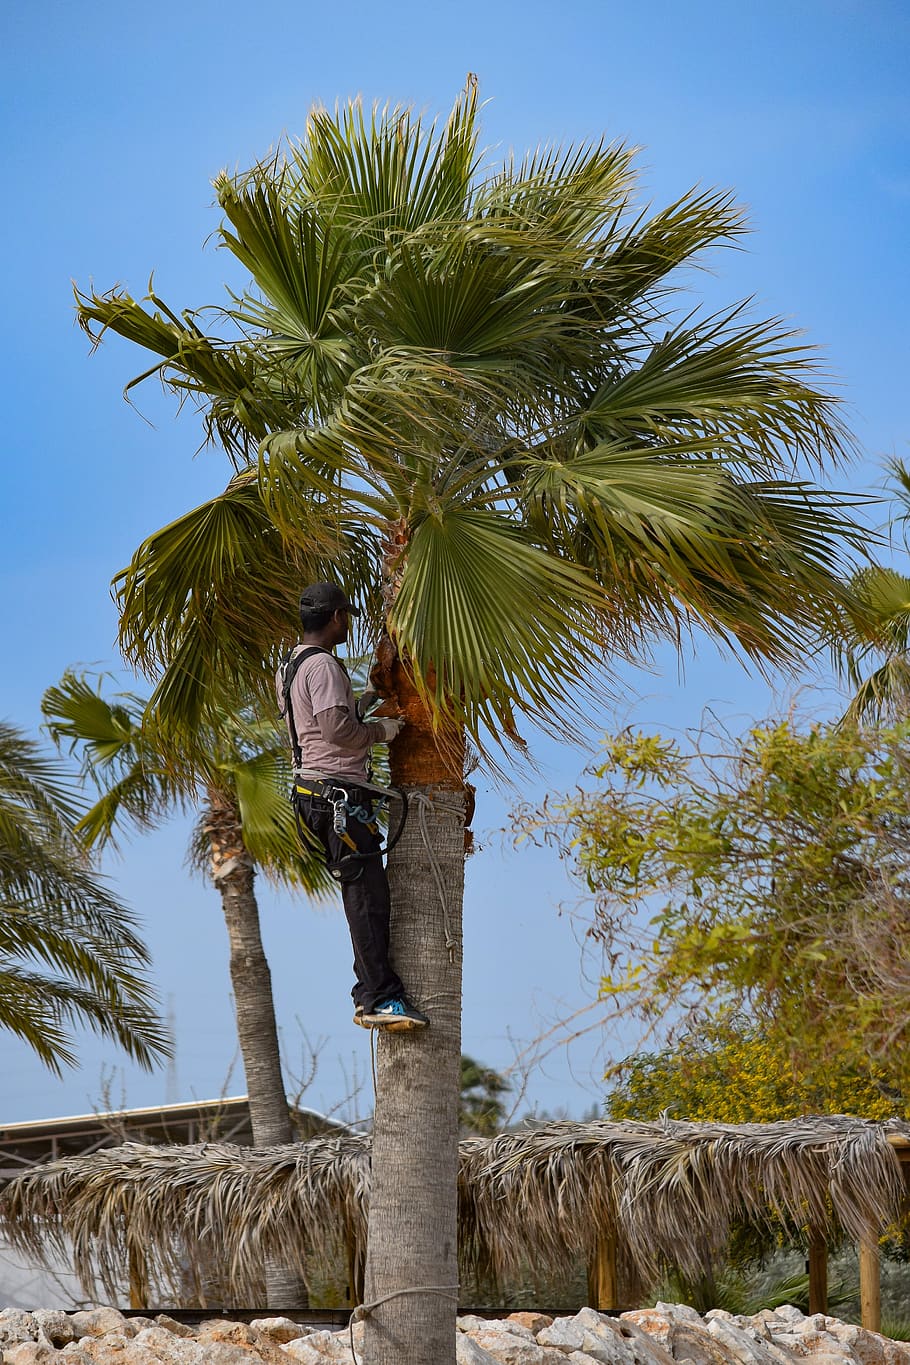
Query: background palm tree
{"points": [[237, 778], [69, 952], [875, 656], [470, 395], [483, 1109]]}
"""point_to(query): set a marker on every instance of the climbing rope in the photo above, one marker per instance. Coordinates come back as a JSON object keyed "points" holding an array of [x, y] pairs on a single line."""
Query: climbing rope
{"points": [[363, 1310], [424, 804]]}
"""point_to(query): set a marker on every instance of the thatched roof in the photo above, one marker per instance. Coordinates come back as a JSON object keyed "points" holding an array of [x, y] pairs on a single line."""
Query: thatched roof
{"points": [[667, 1191]]}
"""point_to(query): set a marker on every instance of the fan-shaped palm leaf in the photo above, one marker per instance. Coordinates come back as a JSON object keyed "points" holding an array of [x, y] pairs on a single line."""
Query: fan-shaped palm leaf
{"points": [[57, 915]]}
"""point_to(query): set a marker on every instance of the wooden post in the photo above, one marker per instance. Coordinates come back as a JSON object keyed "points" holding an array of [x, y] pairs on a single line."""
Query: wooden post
{"points": [[354, 1256], [603, 1291], [139, 1289], [870, 1289], [818, 1273]]}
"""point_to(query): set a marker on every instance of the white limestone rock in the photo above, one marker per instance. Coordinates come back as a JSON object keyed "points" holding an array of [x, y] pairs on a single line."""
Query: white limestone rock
{"points": [[114, 1349], [16, 1325], [788, 1313], [869, 1348], [139, 1323], [161, 1346], [227, 1353], [303, 1352], [281, 1330], [577, 1358], [256, 1345], [98, 1322], [535, 1322], [54, 1325], [809, 1342], [73, 1353], [334, 1347], [179, 1329], [510, 1348], [470, 1322], [680, 1332], [467, 1351], [741, 1345], [30, 1353], [563, 1333], [682, 1312]]}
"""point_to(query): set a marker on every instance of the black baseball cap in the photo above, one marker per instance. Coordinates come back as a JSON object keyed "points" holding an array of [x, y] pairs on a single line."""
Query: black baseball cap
{"points": [[326, 597]]}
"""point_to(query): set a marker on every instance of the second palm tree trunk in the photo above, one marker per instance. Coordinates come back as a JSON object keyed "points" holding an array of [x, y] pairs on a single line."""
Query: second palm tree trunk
{"points": [[233, 874]]}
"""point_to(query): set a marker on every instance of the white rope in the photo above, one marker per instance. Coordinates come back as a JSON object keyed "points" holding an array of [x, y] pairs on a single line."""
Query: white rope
{"points": [[363, 1310], [424, 804]]}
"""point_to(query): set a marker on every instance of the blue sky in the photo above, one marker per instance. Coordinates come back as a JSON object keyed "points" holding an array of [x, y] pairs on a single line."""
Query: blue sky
{"points": [[117, 117]]}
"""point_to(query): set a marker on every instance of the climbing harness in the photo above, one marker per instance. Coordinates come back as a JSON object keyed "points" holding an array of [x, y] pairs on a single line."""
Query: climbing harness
{"points": [[309, 784]]}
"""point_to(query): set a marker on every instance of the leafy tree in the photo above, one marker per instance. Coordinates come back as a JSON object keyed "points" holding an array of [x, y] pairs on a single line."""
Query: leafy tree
{"points": [[69, 952], [236, 776], [776, 873], [736, 1075], [482, 1108], [470, 395]]}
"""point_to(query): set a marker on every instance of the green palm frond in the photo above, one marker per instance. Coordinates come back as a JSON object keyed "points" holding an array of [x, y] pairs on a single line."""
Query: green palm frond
{"points": [[237, 410], [572, 193], [69, 951], [119, 753], [270, 832], [876, 626], [900, 476], [496, 619], [488, 370], [144, 772], [300, 267], [634, 261], [388, 175], [210, 594], [745, 386]]}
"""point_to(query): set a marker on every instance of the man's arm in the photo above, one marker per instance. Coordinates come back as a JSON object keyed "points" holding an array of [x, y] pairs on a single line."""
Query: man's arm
{"points": [[340, 727]]}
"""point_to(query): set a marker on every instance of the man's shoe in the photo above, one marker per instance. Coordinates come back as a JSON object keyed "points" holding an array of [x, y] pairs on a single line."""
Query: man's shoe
{"points": [[395, 1015]]}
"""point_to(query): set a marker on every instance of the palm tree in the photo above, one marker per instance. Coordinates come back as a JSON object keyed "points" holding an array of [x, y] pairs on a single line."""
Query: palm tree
{"points": [[483, 1109], [470, 396], [880, 635], [69, 952], [237, 777]]}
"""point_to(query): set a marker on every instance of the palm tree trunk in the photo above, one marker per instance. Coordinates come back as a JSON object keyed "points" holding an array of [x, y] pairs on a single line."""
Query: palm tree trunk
{"points": [[412, 1243], [233, 873]]}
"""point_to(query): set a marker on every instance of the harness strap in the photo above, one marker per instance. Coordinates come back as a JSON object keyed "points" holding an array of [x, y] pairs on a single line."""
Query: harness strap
{"points": [[290, 664]]}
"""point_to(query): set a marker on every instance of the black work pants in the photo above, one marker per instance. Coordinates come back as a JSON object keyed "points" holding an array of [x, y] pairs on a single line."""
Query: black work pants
{"points": [[365, 893]]}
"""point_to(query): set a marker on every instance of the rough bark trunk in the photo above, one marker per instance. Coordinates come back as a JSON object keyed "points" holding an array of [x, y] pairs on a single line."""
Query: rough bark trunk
{"points": [[233, 873], [412, 1242]]}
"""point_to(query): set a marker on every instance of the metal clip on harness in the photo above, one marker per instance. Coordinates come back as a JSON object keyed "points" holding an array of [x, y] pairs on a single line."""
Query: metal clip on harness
{"points": [[342, 808]]}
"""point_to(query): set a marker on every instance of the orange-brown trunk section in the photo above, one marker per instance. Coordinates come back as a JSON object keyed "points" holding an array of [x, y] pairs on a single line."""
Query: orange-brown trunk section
{"points": [[425, 754]]}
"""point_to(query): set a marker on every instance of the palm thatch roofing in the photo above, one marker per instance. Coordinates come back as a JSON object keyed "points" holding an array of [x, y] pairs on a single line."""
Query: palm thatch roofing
{"points": [[665, 1192]]}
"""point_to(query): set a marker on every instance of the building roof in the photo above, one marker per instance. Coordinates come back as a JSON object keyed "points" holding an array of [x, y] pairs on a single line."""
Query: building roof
{"points": [[226, 1119]]}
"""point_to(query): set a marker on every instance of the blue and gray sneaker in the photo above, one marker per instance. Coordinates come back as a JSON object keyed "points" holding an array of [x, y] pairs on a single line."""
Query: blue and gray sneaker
{"points": [[395, 1015]]}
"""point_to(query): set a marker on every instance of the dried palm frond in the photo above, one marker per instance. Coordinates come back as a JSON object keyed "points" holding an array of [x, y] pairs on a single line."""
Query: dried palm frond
{"points": [[665, 1192]]}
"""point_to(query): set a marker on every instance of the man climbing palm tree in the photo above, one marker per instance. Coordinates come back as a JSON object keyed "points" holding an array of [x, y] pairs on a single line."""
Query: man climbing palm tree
{"points": [[331, 744]]}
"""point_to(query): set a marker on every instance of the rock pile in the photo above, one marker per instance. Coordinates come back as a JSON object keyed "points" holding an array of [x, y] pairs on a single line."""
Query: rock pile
{"points": [[650, 1336]]}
